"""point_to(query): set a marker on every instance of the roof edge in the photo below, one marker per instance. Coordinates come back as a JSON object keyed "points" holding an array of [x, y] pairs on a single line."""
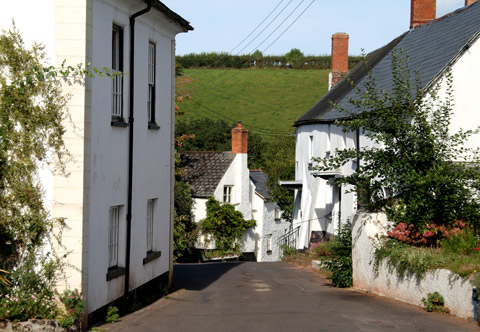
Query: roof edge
{"points": [[172, 15]]}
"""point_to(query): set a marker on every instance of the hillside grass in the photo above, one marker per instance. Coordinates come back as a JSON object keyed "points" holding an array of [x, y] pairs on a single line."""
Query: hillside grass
{"points": [[268, 101]]}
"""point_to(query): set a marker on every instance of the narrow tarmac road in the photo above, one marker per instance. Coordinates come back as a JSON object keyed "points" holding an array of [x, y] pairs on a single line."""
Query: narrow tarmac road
{"points": [[248, 296]]}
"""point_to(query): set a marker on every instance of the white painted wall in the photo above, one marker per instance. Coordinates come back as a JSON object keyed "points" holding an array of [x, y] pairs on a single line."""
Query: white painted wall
{"points": [[465, 74], [456, 291], [319, 203], [80, 32]]}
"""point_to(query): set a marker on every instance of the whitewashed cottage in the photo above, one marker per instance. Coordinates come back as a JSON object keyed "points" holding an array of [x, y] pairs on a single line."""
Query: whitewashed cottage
{"points": [[225, 176], [434, 46], [118, 196]]}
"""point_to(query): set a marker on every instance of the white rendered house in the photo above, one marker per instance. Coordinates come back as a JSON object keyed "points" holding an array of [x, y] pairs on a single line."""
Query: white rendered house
{"points": [[225, 176], [434, 47], [118, 197]]}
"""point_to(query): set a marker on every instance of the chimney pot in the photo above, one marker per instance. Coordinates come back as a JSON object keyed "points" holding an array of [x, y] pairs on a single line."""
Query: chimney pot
{"points": [[339, 56], [239, 139], [422, 11]]}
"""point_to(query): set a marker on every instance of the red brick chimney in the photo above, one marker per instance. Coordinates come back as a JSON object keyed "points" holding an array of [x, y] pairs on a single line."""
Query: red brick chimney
{"points": [[422, 11], [339, 57], [468, 2], [239, 139]]}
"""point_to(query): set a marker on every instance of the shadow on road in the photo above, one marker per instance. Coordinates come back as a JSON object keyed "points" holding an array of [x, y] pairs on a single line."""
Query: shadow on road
{"points": [[199, 276]]}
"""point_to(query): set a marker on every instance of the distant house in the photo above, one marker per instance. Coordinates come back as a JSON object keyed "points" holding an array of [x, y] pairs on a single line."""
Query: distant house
{"points": [[118, 197], [225, 176], [434, 46]]}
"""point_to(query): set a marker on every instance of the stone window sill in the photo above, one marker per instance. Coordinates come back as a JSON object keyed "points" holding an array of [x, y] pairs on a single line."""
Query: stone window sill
{"points": [[151, 255], [118, 122], [115, 272], [153, 125]]}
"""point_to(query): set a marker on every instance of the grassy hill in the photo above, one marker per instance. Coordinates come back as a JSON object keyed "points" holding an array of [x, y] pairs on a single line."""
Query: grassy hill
{"points": [[267, 101]]}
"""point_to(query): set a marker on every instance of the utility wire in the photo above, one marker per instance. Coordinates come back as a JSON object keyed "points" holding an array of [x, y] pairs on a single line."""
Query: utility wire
{"points": [[257, 26], [265, 28], [289, 26], [278, 27]]}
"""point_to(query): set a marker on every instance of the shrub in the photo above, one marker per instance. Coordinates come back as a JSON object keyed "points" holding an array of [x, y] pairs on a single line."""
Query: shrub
{"points": [[323, 249], [288, 250], [20, 306], [112, 314], [461, 243], [339, 265], [426, 235], [225, 225], [435, 302], [73, 302]]}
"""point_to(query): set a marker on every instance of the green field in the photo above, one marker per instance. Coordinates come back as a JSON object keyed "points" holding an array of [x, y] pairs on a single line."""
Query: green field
{"points": [[267, 101]]}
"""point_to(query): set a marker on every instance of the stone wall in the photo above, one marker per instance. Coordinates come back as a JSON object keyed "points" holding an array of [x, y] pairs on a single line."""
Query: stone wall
{"points": [[456, 291]]}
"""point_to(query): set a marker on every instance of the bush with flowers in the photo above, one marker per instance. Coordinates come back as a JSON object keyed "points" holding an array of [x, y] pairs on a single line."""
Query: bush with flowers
{"points": [[20, 306]]}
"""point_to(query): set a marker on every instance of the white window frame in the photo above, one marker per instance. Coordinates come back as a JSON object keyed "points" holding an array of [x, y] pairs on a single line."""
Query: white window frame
{"points": [[278, 212], [117, 68], [269, 242], [113, 235], [150, 224], [151, 82], [228, 194]]}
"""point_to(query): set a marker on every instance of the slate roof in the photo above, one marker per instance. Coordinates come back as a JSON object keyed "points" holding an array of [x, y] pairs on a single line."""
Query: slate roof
{"points": [[204, 170], [431, 49], [259, 179]]}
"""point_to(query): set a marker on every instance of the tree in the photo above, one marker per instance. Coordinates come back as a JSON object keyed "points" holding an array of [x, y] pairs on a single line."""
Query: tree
{"points": [[225, 225], [216, 135], [432, 177], [185, 230], [280, 165], [294, 57]]}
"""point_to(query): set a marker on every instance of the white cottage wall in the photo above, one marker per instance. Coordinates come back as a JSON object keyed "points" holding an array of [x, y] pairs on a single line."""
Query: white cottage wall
{"points": [[80, 32]]}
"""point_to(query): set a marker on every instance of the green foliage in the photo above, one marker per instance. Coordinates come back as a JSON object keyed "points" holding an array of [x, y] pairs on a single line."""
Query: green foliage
{"points": [[19, 305], [280, 165], [32, 113], [210, 135], [415, 157], [456, 253], [323, 249], [74, 302], [216, 135], [288, 250], [339, 259], [464, 243], [435, 302], [185, 231], [295, 58], [225, 225], [256, 59], [112, 314]]}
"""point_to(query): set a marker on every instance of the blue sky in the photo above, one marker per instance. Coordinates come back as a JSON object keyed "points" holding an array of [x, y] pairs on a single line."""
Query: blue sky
{"points": [[220, 25]]}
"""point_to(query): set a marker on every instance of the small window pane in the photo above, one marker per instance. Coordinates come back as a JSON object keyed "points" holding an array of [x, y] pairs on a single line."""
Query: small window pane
{"points": [[150, 206], [113, 235]]}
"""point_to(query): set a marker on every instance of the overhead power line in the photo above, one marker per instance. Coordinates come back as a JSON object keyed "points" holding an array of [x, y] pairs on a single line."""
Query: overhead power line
{"points": [[265, 28], [278, 27], [289, 26], [257, 26]]}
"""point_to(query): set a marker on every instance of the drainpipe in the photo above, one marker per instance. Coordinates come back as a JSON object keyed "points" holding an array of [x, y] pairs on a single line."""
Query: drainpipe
{"points": [[130, 148], [475, 303]]}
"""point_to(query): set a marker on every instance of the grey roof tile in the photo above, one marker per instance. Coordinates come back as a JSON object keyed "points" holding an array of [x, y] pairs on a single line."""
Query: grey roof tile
{"points": [[430, 48], [204, 170], [259, 179]]}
